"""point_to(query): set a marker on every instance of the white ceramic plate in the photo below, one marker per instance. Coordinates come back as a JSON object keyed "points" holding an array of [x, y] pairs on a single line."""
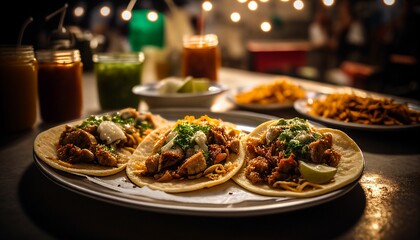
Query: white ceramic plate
{"points": [[117, 189], [150, 94], [302, 107]]}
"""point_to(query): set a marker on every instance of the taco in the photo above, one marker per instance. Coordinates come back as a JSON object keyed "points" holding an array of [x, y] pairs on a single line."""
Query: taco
{"points": [[99, 145], [292, 158], [192, 154]]}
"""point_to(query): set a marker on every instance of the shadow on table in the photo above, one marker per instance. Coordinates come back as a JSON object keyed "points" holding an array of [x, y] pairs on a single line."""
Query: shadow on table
{"points": [[64, 214]]}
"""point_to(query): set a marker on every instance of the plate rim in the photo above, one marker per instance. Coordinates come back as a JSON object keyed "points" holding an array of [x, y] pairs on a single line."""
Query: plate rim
{"points": [[150, 90], [101, 193]]}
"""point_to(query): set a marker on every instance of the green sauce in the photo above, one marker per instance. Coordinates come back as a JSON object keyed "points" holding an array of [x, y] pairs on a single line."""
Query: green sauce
{"points": [[115, 82]]}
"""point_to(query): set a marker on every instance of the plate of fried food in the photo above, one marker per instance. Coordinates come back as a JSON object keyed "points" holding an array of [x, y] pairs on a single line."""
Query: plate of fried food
{"points": [[360, 111], [277, 94]]}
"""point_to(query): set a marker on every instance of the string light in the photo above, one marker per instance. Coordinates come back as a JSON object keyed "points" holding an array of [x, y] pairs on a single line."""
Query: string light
{"points": [[126, 15], [152, 16], [207, 6], [79, 11], [389, 2], [235, 17], [265, 26], [105, 11], [328, 3], [298, 5], [252, 5]]}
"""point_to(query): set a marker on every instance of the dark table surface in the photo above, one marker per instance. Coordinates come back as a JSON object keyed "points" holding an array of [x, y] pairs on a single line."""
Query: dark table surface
{"points": [[384, 204]]}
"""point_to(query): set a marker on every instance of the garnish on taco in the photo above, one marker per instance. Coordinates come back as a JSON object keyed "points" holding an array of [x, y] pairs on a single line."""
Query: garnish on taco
{"points": [[99, 145], [192, 154], [290, 157]]}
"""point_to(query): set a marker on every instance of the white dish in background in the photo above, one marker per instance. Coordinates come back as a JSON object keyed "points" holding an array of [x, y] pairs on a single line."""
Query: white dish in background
{"points": [[154, 99], [117, 189], [302, 107]]}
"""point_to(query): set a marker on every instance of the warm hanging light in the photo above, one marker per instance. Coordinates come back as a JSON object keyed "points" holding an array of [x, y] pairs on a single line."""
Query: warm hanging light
{"points": [[79, 11], [126, 15], [152, 16], [389, 2], [207, 6], [242, 1], [235, 17], [298, 5], [105, 11], [265, 26], [252, 5], [328, 3]]}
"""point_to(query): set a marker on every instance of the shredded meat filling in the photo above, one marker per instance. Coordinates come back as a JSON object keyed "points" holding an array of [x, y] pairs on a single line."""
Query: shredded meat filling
{"points": [[267, 163]]}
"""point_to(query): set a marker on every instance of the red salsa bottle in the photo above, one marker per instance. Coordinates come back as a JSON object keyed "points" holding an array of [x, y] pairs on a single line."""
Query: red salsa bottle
{"points": [[60, 85]]}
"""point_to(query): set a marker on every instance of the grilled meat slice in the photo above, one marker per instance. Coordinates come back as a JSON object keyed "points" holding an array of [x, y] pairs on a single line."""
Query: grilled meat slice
{"points": [[105, 157], [193, 165], [73, 154], [170, 158], [321, 151]]}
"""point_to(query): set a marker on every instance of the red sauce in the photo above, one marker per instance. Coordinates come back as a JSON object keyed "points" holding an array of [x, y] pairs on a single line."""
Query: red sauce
{"points": [[201, 60], [60, 91]]}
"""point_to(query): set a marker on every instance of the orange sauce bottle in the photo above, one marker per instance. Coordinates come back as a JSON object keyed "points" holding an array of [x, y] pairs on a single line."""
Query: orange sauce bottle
{"points": [[60, 85], [201, 57], [18, 91]]}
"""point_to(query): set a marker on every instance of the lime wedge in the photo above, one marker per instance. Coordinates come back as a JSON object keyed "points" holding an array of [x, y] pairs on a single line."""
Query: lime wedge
{"points": [[200, 85], [317, 173], [187, 86], [169, 85], [192, 85]]}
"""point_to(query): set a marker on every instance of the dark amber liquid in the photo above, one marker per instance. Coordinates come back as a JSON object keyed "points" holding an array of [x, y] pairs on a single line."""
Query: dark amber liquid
{"points": [[18, 96], [60, 91], [201, 61]]}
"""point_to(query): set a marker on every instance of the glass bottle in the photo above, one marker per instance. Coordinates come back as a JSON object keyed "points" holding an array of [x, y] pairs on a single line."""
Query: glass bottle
{"points": [[116, 75], [60, 76], [18, 91]]}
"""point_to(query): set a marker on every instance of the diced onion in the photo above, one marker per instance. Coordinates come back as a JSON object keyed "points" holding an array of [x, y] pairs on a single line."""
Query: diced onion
{"points": [[110, 132]]}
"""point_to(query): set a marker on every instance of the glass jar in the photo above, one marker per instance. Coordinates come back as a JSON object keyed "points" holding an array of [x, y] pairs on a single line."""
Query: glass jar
{"points": [[18, 91], [60, 84], [201, 56], [116, 75]]}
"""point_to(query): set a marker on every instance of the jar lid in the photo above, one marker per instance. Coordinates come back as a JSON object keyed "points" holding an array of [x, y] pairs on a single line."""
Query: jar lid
{"points": [[17, 53], [59, 56], [117, 57]]}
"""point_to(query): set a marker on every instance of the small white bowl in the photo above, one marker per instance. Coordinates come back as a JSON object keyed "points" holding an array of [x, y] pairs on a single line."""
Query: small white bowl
{"points": [[150, 94]]}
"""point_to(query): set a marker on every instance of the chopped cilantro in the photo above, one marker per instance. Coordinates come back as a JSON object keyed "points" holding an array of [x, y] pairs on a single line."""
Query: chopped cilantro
{"points": [[296, 135], [185, 139]]}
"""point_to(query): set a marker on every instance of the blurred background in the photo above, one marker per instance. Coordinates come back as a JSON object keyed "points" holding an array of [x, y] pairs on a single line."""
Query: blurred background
{"points": [[368, 44]]}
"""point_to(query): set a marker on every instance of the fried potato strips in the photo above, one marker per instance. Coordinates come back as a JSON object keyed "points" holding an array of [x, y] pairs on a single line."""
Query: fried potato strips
{"points": [[278, 91], [364, 110]]}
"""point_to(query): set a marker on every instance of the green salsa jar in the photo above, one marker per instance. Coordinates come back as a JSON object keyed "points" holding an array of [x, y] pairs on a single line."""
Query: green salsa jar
{"points": [[116, 75]]}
